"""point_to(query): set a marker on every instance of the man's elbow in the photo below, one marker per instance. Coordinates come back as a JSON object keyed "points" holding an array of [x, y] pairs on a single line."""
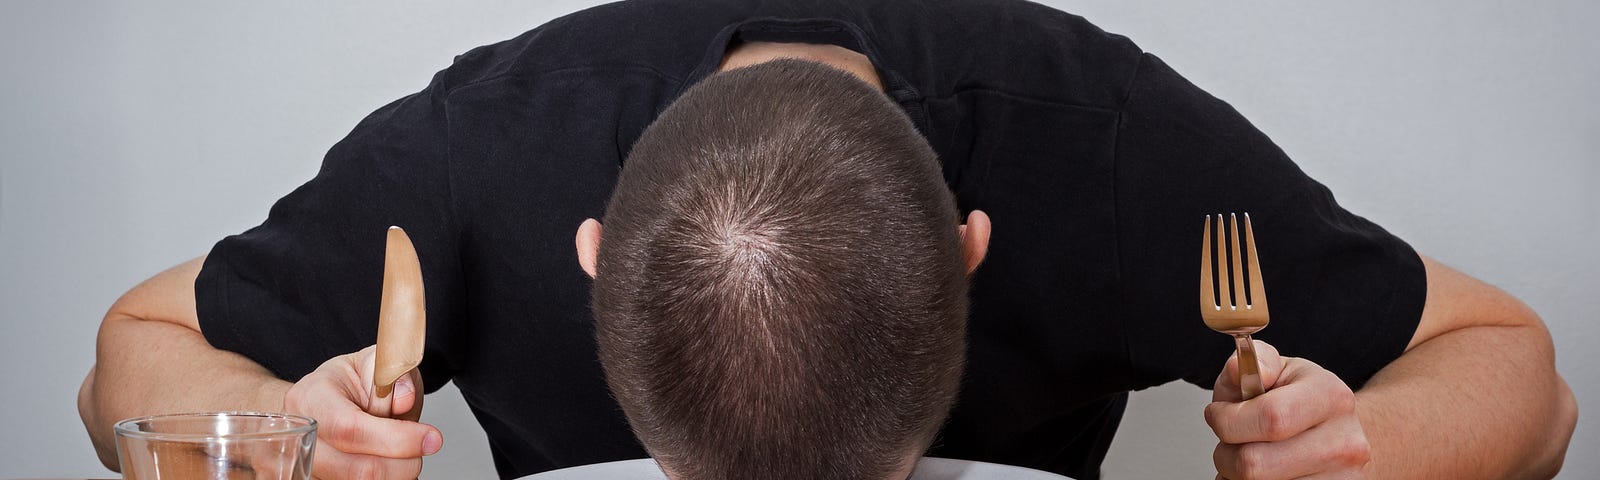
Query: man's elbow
{"points": [[1564, 418], [1561, 412], [105, 445]]}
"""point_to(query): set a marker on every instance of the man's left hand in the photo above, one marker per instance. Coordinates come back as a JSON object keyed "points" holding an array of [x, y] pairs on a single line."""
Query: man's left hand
{"points": [[1304, 426]]}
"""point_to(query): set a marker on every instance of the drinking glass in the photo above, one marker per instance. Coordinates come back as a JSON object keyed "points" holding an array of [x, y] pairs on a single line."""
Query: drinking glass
{"points": [[217, 445]]}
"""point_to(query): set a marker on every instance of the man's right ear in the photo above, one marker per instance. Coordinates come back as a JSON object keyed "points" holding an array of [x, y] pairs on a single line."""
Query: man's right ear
{"points": [[974, 240], [588, 245]]}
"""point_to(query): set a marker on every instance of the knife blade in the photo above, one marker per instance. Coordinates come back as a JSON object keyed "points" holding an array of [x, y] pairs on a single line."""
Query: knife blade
{"points": [[402, 320]]}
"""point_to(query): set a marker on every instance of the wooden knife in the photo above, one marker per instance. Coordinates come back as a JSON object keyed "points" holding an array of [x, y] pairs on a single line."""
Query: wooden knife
{"points": [[402, 321]]}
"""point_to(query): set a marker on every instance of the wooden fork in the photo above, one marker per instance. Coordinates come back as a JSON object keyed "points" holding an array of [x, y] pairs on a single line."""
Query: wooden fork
{"points": [[1232, 312]]}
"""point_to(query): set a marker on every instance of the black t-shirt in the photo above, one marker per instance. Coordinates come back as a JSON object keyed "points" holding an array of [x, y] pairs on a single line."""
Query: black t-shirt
{"points": [[1095, 160]]}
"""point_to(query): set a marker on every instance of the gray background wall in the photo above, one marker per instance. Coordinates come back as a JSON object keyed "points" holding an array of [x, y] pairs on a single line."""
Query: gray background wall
{"points": [[135, 134]]}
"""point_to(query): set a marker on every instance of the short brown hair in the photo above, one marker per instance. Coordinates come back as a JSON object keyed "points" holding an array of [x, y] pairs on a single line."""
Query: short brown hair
{"points": [[779, 293]]}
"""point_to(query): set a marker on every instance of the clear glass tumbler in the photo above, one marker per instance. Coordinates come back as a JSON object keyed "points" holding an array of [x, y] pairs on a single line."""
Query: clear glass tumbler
{"points": [[217, 445]]}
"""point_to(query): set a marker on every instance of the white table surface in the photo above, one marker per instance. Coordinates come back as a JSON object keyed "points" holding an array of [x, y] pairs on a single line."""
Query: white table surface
{"points": [[929, 468]]}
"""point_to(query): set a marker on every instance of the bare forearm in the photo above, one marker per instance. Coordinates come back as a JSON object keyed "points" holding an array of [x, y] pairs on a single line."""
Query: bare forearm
{"points": [[150, 367], [1482, 402]]}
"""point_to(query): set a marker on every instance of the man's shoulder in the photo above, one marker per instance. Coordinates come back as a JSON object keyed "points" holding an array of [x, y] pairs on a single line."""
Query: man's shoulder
{"points": [[1014, 47], [664, 37]]}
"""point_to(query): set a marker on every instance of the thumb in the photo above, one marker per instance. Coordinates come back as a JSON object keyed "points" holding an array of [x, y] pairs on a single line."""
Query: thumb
{"points": [[1270, 363], [405, 398], [408, 396]]}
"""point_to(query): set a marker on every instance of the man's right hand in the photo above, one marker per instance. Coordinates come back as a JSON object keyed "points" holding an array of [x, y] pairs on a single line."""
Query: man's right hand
{"points": [[151, 358], [352, 443]]}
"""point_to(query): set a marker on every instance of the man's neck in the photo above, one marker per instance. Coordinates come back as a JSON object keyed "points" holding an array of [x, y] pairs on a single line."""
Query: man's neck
{"points": [[751, 53]]}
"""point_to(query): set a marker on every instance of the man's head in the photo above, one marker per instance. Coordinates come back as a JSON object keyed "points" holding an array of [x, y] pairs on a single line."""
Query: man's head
{"points": [[780, 292]]}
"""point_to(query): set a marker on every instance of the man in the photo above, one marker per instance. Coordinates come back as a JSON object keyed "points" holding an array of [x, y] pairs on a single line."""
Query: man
{"points": [[1094, 159]]}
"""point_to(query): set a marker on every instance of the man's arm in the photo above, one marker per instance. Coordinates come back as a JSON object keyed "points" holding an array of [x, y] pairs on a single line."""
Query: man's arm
{"points": [[1476, 395], [151, 358]]}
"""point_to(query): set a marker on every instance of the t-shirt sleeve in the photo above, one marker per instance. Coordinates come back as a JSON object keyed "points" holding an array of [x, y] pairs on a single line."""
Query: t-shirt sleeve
{"points": [[1342, 291], [304, 286]]}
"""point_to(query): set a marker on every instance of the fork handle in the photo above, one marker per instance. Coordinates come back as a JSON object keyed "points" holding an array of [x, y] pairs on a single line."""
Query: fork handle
{"points": [[1249, 369]]}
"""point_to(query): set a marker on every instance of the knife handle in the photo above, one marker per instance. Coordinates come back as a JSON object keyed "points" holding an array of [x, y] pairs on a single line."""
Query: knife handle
{"points": [[380, 403]]}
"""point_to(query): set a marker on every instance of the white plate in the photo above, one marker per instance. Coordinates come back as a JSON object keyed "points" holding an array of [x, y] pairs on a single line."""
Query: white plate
{"points": [[929, 468]]}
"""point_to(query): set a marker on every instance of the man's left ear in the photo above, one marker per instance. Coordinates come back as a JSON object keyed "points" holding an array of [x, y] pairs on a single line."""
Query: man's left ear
{"points": [[588, 245], [974, 240]]}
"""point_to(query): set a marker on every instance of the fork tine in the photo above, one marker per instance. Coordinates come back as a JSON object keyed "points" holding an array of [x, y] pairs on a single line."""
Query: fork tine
{"points": [[1237, 292], [1208, 294], [1258, 289]]}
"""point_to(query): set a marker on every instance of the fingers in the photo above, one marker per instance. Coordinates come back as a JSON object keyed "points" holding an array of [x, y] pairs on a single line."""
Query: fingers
{"points": [[1306, 396], [1304, 426], [404, 401], [408, 397], [335, 395], [332, 463], [1226, 388], [1334, 449], [350, 429], [1342, 475]]}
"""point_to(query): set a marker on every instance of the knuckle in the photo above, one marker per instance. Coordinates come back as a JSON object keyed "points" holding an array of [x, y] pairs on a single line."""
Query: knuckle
{"points": [[1344, 400], [1355, 452], [365, 468], [1277, 419], [342, 431], [1250, 463], [409, 468]]}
